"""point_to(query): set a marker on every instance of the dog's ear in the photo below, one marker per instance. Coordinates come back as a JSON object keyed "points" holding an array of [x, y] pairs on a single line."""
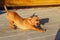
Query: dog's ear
{"points": [[34, 15]]}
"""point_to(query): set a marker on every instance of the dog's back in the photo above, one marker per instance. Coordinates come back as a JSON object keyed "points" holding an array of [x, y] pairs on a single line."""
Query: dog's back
{"points": [[11, 15]]}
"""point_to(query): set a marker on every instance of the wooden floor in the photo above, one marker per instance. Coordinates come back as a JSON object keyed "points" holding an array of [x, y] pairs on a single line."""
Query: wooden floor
{"points": [[44, 13]]}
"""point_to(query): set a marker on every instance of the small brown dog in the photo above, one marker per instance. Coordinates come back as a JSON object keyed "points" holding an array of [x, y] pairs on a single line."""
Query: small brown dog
{"points": [[22, 23]]}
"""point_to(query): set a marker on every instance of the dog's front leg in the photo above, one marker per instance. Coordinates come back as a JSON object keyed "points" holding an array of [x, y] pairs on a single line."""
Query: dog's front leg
{"points": [[37, 29]]}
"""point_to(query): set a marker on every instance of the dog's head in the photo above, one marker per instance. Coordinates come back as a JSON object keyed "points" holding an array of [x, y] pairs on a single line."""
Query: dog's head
{"points": [[34, 20]]}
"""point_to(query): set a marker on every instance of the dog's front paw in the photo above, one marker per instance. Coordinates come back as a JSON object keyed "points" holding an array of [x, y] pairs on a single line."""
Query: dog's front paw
{"points": [[42, 30]]}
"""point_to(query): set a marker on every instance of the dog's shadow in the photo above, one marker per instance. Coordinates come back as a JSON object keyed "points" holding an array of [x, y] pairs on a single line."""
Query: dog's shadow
{"points": [[42, 22]]}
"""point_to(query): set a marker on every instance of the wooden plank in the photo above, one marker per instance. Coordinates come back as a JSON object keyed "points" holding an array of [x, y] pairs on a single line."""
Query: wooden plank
{"points": [[31, 2]]}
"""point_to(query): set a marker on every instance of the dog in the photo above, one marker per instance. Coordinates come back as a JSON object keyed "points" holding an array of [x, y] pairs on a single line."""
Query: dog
{"points": [[22, 23]]}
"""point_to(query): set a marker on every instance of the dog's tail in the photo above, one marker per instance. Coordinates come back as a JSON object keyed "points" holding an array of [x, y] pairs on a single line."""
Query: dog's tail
{"points": [[5, 8]]}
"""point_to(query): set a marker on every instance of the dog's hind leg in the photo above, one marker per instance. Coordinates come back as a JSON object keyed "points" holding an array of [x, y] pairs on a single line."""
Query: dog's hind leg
{"points": [[11, 23]]}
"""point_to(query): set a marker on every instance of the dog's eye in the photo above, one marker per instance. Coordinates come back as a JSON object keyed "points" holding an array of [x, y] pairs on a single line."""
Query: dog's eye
{"points": [[37, 20]]}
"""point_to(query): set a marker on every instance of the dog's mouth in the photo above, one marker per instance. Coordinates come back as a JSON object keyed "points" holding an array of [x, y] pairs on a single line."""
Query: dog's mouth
{"points": [[37, 23]]}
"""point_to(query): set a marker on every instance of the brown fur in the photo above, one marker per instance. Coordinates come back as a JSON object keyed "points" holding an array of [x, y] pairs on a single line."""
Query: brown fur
{"points": [[22, 23]]}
